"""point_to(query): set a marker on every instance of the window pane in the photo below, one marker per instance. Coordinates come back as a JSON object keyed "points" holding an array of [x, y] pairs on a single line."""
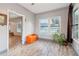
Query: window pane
{"points": [[75, 25], [75, 32], [76, 19], [55, 25], [43, 26]]}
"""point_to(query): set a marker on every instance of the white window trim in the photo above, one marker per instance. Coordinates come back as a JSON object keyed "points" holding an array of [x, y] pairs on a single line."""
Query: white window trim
{"points": [[78, 26], [49, 32], [39, 26], [59, 22]]}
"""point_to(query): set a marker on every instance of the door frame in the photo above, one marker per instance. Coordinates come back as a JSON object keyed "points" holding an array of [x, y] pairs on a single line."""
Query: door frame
{"points": [[23, 18]]}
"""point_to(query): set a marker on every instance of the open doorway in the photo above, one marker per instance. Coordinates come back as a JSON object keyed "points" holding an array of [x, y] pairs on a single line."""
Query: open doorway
{"points": [[15, 29]]}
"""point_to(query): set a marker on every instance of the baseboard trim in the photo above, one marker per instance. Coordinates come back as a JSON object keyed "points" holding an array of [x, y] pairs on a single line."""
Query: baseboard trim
{"points": [[46, 39]]}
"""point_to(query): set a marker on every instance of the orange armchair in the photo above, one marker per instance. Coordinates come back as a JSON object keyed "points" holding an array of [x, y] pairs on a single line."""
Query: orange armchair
{"points": [[31, 38]]}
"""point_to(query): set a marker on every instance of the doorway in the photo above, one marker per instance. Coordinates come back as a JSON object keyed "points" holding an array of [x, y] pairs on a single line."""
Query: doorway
{"points": [[15, 27]]}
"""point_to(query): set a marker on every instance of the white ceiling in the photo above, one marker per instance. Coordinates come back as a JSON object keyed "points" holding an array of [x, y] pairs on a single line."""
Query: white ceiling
{"points": [[43, 7]]}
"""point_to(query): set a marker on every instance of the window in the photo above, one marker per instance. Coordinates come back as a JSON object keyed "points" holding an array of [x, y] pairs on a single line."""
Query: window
{"points": [[49, 26], [43, 26], [55, 24], [75, 25], [18, 28]]}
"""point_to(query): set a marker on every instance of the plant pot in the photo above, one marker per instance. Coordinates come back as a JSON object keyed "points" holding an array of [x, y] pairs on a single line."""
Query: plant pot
{"points": [[65, 43]]}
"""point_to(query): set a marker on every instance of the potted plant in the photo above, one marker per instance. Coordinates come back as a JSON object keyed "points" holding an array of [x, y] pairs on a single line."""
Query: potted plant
{"points": [[59, 38]]}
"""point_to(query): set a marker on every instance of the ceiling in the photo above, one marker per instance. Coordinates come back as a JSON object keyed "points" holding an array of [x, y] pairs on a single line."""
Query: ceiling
{"points": [[43, 7]]}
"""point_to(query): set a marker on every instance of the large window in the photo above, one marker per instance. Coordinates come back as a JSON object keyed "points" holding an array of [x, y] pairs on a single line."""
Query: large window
{"points": [[55, 24], [43, 26], [49, 26], [75, 25]]}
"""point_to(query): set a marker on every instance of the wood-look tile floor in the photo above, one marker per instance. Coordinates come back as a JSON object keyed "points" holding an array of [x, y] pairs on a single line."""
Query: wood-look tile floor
{"points": [[41, 48], [14, 40]]}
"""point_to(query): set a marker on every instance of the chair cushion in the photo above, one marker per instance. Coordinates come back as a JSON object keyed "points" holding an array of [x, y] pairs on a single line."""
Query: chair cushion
{"points": [[31, 38]]}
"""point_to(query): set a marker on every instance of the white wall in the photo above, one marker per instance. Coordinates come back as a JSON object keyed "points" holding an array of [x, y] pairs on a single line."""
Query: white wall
{"points": [[63, 12], [29, 17], [3, 35], [3, 38]]}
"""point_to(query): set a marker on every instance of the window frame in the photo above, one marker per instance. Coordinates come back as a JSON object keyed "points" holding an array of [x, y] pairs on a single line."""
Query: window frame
{"points": [[59, 23], [75, 24], [40, 27], [49, 25]]}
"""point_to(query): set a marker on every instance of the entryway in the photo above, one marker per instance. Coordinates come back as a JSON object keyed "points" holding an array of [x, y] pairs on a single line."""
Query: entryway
{"points": [[15, 28]]}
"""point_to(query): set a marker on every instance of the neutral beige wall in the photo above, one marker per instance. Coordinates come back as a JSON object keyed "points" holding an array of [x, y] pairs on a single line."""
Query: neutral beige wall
{"points": [[63, 12]]}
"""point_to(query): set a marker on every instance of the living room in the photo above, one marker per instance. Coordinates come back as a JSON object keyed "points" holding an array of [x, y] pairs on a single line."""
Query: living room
{"points": [[40, 22]]}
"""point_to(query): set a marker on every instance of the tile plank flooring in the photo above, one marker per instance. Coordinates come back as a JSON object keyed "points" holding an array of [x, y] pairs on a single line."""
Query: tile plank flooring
{"points": [[41, 48], [14, 40]]}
